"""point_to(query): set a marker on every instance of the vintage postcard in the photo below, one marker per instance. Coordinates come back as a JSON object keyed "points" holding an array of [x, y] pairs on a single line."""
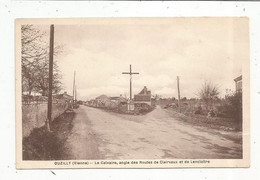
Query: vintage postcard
{"points": [[132, 92]]}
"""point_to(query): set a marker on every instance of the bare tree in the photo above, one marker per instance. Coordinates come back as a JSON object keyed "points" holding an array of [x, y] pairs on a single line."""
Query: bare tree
{"points": [[30, 38], [208, 93], [157, 97], [35, 62]]}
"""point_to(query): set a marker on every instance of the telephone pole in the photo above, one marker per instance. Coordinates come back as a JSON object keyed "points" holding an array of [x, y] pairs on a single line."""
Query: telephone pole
{"points": [[130, 73], [75, 93], [48, 120], [74, 87], [179, 97]]}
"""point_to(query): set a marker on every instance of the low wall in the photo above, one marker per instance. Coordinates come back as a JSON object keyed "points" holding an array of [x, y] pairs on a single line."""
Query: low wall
{"points": [[34, 115]]}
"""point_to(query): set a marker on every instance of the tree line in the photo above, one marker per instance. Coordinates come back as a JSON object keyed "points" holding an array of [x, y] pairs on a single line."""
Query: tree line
{"points": [[35, 62]]}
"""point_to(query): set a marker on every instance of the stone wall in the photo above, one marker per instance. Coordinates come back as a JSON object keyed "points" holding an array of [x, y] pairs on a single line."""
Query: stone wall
{"points": [[34, 115]]}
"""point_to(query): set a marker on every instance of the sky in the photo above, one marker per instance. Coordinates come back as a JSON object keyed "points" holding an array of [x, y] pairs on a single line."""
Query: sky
{"points": [[195, 49]]}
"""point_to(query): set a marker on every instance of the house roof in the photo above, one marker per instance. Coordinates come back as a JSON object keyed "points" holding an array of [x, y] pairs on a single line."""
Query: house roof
{"points": [[114, 98], [64, 95], [120, 98], [144, 91], [144, 95], [102, 97]]}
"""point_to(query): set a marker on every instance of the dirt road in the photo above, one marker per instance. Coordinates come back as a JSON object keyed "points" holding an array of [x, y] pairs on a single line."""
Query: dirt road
{"points": [[98, 134]]}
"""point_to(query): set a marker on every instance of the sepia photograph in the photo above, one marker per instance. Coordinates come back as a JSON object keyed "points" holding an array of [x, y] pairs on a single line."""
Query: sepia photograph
{"points": [[132, 92]]}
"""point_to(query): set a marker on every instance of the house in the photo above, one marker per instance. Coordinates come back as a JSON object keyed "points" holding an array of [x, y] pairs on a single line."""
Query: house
{"points": [[64, 96], [116, 103], [143, 97], [118, 99], [238, 83], [101, 100]]}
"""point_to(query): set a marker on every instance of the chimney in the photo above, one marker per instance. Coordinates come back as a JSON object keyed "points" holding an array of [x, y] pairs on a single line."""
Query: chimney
{"points": [[145, 90]]}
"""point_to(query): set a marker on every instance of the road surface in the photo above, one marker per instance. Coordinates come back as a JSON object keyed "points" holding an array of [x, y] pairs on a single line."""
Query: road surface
{"points": [[98, 134]]}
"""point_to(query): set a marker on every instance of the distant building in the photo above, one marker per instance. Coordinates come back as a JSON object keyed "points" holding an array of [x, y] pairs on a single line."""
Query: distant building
{"points": [[118, 99], [143, 97], [118, 102], [64, 96], [102, 97], [104, 101], [101, 100], [238, 82]]}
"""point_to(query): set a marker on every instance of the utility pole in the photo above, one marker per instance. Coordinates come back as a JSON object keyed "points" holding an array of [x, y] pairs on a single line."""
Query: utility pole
{"points": [[74, 104], [48, 120], [74, 86], [130, 73], [178, 87], [75, 93]]}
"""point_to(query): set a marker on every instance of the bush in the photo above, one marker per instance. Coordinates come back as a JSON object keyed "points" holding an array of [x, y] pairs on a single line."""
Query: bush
{"points": [[199, 110]]}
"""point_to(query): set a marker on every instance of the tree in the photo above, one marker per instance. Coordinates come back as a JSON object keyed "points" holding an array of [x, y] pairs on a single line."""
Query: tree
{"points": [[208, 93], [42, 78], [35, 61], [234, 105], [30, 39], [184, 99], [157, 97]]}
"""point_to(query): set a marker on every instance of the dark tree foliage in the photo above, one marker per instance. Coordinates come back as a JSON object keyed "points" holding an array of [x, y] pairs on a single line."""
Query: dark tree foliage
{"points": [[234, 106]]}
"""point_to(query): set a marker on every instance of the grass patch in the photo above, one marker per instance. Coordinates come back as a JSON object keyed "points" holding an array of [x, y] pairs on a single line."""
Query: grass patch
{"points": [[44, 145]]}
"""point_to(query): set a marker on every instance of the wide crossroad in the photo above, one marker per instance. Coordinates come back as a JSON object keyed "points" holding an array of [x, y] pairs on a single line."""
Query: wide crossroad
{"points": [[98, 134]]}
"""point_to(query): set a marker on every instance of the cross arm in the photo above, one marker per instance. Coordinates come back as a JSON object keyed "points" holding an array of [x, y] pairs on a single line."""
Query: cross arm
{"points": [[125, 73]]}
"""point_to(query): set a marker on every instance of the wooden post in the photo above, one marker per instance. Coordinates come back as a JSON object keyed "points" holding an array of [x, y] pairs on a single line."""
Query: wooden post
{"points": [[75, 93], [47, 123], [74, 87], [179, 97], [130, 82]]}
